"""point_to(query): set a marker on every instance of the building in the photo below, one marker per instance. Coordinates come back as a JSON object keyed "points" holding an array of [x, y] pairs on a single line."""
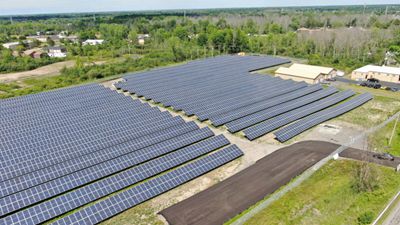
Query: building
{"points": [[93, 42], [35, 53], [11, 45], [382, 73], [57, 52], [142, 38], [306, 73], [14, 45]]}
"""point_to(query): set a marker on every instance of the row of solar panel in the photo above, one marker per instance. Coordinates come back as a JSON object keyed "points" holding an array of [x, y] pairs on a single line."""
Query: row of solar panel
{"points": [[87, 150], [145, 191], [306, 123], [79, 197], [225, 93]]}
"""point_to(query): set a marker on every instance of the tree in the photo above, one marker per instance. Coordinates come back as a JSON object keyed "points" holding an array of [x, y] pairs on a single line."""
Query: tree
{"points": [[50, 42], [181, 33], [202, 39]]}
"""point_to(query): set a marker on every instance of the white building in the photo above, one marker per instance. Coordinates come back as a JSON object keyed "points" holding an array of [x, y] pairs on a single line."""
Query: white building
{"points": [[11, 45], [93, 42], [306, 73], [382, 73], [57, 52]]}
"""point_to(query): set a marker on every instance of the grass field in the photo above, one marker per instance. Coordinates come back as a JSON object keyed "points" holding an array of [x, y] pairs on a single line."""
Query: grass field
{"points": [[379, 140], [328, 198], [374, 112]]}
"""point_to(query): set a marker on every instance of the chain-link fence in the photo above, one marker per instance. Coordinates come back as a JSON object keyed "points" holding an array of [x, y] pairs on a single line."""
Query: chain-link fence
{"points": [[368, 133]]}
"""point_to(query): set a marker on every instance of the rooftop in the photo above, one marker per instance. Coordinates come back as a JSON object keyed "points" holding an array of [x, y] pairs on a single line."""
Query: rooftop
{"points": [[306, 71], [379, 69]]}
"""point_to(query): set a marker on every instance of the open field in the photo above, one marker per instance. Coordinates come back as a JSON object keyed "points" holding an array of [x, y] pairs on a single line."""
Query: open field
{"points": [[328, 198], [49, 70]]}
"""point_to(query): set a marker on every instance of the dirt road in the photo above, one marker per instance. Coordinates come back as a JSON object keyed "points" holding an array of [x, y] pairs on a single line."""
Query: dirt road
{"points": [[49, 70], [225, 200], [52, 69]]}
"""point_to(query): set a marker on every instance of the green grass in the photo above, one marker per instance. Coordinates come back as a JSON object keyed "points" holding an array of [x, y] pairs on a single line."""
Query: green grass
{"points": [[374, 112], [379, 140], [328, 198]]}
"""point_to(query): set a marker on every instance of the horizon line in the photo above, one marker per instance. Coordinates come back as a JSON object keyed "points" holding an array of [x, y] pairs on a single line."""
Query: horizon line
{"points": [[187, 9]]}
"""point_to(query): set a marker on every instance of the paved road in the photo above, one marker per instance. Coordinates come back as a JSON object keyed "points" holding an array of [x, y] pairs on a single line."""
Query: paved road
{"points": [[225, 200], [394, 216], [385, 84], [367, 156]]}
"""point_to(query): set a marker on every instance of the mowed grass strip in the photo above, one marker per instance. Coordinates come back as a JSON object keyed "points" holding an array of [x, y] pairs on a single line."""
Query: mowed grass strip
{"points": [[328, 198]]}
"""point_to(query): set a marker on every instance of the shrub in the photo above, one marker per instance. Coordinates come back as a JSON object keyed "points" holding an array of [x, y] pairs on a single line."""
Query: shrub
{"points": [[366, 218]]}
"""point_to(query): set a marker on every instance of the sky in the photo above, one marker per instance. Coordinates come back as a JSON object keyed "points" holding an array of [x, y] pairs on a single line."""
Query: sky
{"points": [[13, 7]]}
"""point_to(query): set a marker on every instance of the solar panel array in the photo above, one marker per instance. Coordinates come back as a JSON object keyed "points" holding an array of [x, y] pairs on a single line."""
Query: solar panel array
{"points": [[224, 91], [64, 149]]}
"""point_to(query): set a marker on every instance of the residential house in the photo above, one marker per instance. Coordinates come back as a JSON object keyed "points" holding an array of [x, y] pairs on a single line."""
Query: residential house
{"points": [[93, 42], [56, 52]]}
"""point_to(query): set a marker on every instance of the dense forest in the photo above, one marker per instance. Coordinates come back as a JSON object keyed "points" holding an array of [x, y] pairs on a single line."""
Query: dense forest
{"points": [[343, 37]]}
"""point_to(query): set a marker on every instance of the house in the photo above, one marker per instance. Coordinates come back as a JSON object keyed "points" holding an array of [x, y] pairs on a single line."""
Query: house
{"points": [[93, 42], [14, 45], [142, 38], [57, 52], [35, 53], [307, 73], [382, 73], [11, 45], [41, 38]]}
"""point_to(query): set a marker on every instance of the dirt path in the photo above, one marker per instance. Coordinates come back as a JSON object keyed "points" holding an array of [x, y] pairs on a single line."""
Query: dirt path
{"points": [[49, 70], [52, 69], [223, 201]]}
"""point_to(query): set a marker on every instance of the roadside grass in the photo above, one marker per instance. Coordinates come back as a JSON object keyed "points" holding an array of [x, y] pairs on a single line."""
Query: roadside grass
{"points": [[327, 197], [379, 140]]}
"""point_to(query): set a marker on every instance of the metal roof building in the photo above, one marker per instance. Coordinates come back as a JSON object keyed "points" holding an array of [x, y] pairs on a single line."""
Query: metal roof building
{"points": [[307, 73], [383, 73]]}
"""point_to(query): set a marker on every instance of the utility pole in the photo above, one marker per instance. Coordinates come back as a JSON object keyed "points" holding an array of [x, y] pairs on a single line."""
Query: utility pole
{"points": [[394, 129], [365, 6], [386, 11]]}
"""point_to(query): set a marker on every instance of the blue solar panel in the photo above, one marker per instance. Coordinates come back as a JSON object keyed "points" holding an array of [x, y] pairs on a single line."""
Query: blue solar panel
{"points": [[296, 128], [105, 209], [79, 197], [269, 125]]}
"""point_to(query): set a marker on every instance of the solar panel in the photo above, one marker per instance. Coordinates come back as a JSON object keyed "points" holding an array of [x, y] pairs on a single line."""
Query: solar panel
{"points": [[260, 116], [177, 136], [116, 204], [269, 125], [79, 197], [74, 180], [294, 129]]}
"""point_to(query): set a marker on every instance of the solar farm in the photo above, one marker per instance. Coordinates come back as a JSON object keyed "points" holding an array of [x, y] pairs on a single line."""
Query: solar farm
{"points": [[84, 154], [224, 91], [64, 149]]}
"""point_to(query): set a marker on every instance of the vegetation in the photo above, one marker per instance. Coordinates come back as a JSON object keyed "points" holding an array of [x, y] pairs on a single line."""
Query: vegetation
{"points": [[344, 37], [379, 140], [320, 199]]}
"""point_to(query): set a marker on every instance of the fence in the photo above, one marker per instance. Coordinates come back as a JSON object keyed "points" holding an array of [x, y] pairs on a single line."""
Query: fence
{"points": [[309, 172]]}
